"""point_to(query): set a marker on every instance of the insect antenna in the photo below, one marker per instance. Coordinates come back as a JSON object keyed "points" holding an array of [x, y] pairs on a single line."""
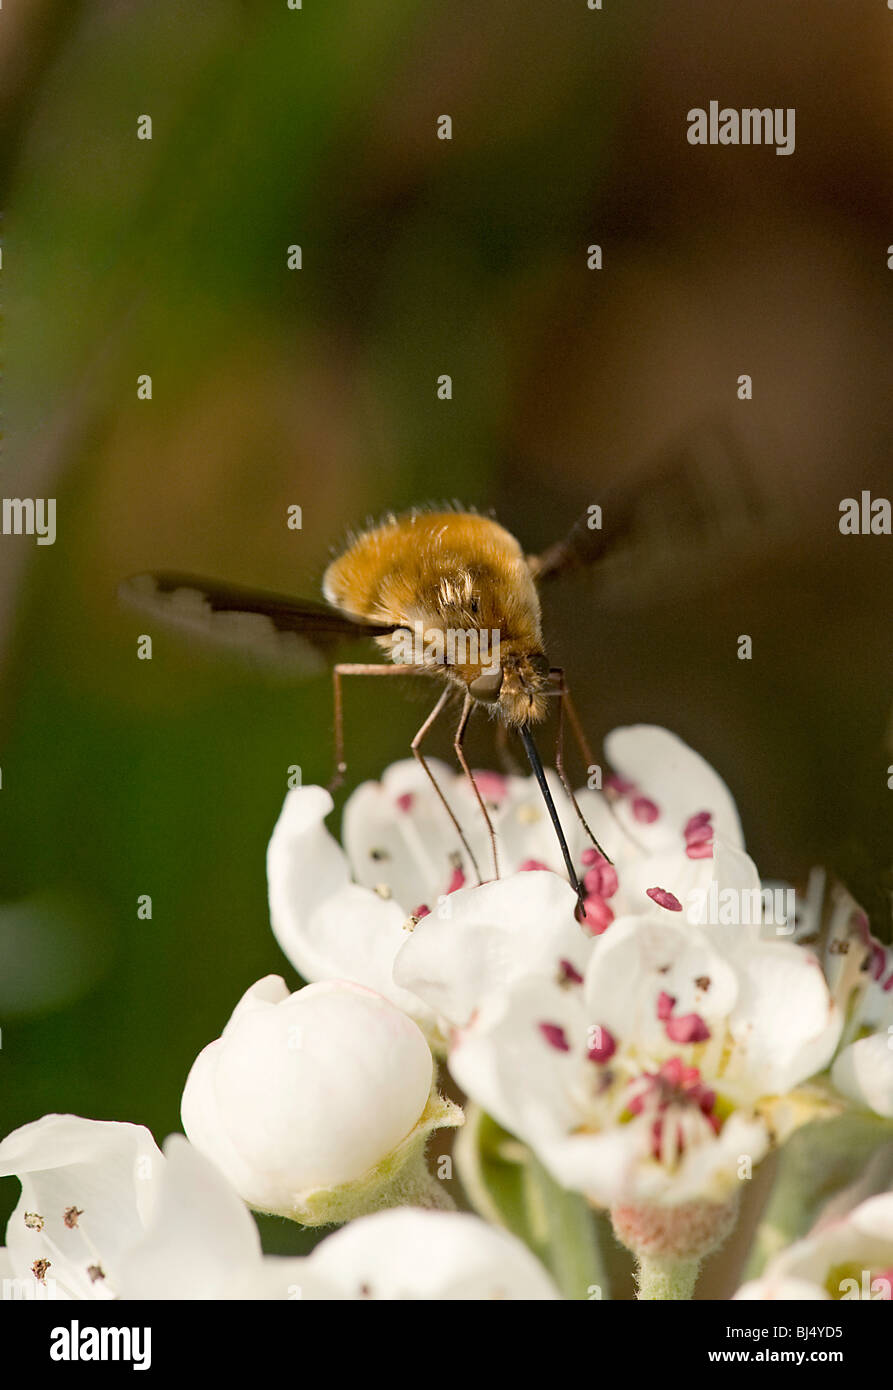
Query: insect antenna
{"points": [[534, 757]]}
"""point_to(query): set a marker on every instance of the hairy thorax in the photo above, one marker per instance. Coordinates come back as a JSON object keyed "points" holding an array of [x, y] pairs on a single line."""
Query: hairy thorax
{"points": [[460, 592]]}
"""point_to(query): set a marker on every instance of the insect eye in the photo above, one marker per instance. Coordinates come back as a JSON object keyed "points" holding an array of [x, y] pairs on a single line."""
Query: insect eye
{"points": [[474, 605], [487, 687], [539, 664]]}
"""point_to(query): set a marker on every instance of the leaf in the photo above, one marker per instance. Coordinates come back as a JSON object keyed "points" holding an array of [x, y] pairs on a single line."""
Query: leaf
{"points": [[815, 1164]]}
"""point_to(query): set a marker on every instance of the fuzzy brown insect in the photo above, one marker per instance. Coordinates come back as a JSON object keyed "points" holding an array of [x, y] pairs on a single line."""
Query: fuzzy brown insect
{"points": [[449, 594]]}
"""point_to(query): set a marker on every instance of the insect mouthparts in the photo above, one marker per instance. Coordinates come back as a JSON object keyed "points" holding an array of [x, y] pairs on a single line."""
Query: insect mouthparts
{"points": [[534, 759]]}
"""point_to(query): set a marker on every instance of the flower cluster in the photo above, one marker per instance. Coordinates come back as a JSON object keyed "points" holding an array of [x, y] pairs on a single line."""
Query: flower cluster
{"points": [[645, 1054]]}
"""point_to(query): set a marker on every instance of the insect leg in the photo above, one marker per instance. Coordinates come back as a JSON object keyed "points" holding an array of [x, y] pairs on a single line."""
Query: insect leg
{"points": [[416, 750], [352, 669], [564, 699], [573, 718], [460, 754]]}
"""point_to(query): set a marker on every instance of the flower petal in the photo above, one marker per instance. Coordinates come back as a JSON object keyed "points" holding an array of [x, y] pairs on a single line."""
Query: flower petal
{"points": [[329, 927], [486, 938], [676, 778], [108, 1171], [864, 1072], [409, 1254], [639, 959], [784, 1025], [200, 1237], [307, 1092]]}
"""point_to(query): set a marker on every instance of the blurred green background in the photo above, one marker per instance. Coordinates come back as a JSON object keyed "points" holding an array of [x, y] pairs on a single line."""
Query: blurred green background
{"points": [[318, 387]]}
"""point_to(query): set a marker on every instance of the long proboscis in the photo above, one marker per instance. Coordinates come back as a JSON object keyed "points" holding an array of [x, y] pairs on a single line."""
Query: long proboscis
{"points": [[534, 759]]}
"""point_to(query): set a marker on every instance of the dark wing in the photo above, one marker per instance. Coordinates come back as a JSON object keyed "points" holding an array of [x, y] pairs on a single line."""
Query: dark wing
{"points": [[286, 633], [694, 508]]}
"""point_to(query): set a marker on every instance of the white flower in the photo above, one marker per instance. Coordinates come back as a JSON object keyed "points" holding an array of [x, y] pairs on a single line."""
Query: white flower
{"points": [[344, 914], [482, 940], [202, 1242], [847, 1258], [313, 1104], [170, 1227], [397, 832], [663, 785], [669, 1066], [104, 1214], [428, 1255], [860, 971], [329, 926], [674, 811], [89, 1188]]}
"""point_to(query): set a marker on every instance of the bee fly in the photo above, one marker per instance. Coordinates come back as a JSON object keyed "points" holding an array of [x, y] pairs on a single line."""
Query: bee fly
{"points": [[444, 593]]}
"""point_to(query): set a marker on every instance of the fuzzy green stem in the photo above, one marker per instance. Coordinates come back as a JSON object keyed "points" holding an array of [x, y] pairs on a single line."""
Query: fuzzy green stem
{"points": [[661, 1278], [401, 1179], [416, 1186]]}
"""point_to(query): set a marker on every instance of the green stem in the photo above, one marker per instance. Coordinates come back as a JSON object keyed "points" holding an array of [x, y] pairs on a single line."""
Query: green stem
{"points": [[564, 1224], [415, 1186], [660, 1278], [506, 1185]]}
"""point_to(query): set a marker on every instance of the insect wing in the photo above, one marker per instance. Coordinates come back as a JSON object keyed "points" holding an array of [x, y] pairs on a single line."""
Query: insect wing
{"points": [[695, 509], [272, 630]]}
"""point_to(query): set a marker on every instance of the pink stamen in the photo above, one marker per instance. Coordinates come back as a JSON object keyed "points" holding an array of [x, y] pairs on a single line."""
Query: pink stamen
{"points": [[674, 1070], [405, 800], [457, 880], [423, 910], [706, 1099], [619, 784], [592, 879], [695, 822], [555, 1036], [657, 1139], [645, 810], [673, 1084], [664, 898], [700, 851], [592, 856], [689, 1028], [699, 835], [530, 865], [665, 1005], [610, 882], [603, 1045], [597, 916], [568, 973], [601, 879]]}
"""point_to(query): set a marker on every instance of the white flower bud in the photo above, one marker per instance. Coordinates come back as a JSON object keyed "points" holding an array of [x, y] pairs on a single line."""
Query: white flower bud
{"points": [[316, 1105]]}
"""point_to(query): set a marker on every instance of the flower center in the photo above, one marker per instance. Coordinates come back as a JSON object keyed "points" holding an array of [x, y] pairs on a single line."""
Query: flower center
{"points": [[681, 1108]]}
